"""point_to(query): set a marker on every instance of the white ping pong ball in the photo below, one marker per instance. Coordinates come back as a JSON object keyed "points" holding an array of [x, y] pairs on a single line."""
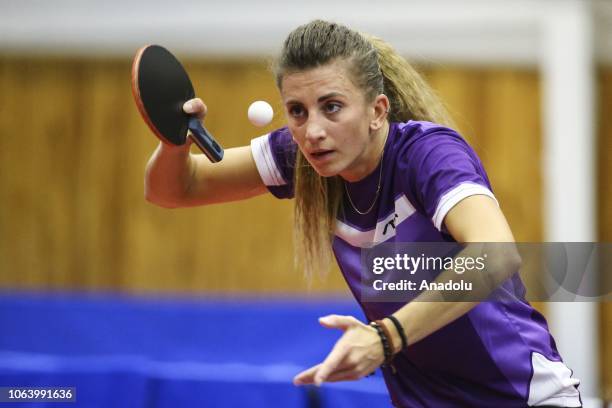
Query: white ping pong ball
{"points": [[260, 113]]}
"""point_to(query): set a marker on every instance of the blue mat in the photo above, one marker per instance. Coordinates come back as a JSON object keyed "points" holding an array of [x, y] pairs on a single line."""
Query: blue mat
{"points": [[121, 351]]}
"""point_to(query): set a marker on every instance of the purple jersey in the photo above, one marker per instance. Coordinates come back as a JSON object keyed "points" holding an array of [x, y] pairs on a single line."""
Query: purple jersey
{"points": [[499, 354]]}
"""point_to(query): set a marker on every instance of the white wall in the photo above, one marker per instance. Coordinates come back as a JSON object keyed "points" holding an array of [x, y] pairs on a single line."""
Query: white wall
{"points": [[465, 31]]}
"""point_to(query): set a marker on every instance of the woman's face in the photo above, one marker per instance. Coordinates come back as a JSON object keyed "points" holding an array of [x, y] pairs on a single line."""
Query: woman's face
{"points": [[331, 121]]}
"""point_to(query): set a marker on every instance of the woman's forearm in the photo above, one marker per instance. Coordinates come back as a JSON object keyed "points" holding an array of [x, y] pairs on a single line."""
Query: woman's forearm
{"points": [[168, 175]]}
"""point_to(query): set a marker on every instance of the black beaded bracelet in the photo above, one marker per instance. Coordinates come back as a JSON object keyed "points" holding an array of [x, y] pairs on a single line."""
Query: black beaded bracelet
{"points": [[400, 330], [385, 343]]}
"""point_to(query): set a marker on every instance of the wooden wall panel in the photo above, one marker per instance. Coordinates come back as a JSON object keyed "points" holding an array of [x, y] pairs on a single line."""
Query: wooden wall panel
{"points": [[38, 178], [604, 190]]}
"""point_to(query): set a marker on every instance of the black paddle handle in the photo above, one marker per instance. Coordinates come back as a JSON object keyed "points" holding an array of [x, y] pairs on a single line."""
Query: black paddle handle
{"points": [[205, 141]]}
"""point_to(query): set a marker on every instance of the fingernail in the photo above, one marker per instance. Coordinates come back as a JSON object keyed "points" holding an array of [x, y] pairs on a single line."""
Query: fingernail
{"points": [[188, 107]]}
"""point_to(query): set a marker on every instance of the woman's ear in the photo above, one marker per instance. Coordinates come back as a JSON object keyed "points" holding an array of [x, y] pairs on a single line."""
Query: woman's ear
{"points": [[381, 111]]}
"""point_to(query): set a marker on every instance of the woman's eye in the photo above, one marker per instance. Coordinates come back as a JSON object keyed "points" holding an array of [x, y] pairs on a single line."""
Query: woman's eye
{"points": [[332, 107], [296, 111]]}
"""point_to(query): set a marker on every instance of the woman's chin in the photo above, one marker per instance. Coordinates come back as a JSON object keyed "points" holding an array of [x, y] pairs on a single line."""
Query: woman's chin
{"points": [[326, 171]]}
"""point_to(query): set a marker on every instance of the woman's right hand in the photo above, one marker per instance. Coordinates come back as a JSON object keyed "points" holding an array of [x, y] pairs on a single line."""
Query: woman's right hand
{"points": [[195, 107]]}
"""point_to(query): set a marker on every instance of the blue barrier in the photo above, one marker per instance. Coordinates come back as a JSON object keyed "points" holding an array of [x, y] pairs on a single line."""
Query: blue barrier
{"points": [[121, 351]]}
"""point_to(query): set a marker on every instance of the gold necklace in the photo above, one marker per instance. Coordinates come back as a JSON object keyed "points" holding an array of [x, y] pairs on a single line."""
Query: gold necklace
{"points": [[377, 188]]}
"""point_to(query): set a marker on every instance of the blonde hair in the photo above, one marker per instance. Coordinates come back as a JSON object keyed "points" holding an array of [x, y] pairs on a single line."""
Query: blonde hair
{"points": [[376, 68]]}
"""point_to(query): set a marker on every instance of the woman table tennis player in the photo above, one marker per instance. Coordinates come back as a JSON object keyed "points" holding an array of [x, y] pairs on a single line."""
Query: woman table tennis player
{"points": [[365, 141]]}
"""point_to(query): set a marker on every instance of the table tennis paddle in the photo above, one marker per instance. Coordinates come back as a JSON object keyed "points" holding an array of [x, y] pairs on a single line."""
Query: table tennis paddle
{"points": [[161, 86]]}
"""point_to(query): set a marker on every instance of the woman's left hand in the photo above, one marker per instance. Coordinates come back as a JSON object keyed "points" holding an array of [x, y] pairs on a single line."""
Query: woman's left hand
{"points": [[356, 354]]}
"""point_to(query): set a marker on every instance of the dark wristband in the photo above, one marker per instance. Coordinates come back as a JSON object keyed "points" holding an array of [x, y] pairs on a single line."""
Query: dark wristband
{"points": [[387, 333], [400, 330], [385, 342]]}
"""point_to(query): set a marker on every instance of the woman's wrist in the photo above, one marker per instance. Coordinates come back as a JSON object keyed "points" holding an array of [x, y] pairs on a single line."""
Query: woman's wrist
{"points": [[385, 341]]}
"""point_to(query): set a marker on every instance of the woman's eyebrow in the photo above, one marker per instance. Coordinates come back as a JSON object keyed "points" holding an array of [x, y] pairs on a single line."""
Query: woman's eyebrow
{"points": [[329, 95], [319, 100]]}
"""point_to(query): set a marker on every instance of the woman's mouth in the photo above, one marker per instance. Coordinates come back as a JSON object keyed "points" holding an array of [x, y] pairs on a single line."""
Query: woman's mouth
{"points": [[321, 155]]}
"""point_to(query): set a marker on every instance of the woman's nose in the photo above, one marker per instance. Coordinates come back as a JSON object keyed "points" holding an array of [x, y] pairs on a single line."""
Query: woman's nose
{"points": [[314, 131]]}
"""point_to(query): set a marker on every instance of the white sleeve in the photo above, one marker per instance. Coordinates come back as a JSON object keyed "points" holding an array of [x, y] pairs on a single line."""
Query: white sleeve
{"points": [[264, 160], [456, 194]]}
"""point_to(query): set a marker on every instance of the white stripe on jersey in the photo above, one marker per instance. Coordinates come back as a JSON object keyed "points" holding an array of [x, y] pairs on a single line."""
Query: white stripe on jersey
{"points": [[264, 160], [552, 383], [384, 230], [453, 196]]}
